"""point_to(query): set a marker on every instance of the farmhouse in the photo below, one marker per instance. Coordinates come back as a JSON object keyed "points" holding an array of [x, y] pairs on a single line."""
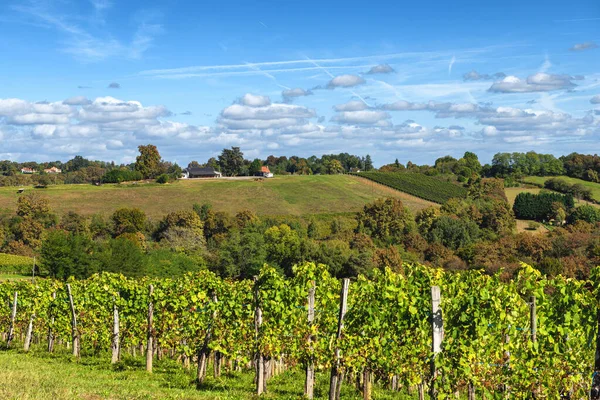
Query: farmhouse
{"points": [[265, 172], [52, 170], [26, 170], [205, 172]]}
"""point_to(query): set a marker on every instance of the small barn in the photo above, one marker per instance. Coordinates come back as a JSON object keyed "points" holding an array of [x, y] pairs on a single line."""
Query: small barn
{"points": [[206, 172], [265, 172]]}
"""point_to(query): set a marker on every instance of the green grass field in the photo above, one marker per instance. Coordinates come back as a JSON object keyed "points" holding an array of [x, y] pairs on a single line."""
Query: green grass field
{"points": [[283, 195], [539, 180], [42, 376]]}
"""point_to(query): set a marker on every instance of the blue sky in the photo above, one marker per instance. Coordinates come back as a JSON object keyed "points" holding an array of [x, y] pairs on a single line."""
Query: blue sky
{"points": [[406, 80]]}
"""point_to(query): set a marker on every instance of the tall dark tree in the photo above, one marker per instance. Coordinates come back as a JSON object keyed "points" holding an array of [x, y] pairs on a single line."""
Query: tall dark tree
{"points": [[148, 163], [368, 163], [231, 161]]}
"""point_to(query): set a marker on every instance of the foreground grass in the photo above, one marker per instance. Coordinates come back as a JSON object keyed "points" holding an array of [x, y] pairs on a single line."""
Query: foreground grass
{"points": [[594, 187], [282, 195], [39, 375]]}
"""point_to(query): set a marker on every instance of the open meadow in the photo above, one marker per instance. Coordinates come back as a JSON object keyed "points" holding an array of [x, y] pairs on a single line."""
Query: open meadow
{"points": [[282, 195]]}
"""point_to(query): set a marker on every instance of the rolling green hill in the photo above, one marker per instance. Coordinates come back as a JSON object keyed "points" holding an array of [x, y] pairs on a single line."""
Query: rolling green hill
{"points": [[282, 195], [539, 180]]}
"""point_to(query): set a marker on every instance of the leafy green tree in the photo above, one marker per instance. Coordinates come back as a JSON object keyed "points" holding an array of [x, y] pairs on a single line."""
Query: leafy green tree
{"points": [[124, 256], [452, 232], [283, 247], [231, 161], [585, 213], [128, 220], [33, 205], [255, 166], [386, 219], [148, 163], [65, 254], [183, 230], [74, 223], [242, 255]]}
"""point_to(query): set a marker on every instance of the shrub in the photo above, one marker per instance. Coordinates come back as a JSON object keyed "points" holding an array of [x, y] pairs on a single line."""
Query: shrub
{"points": [[162, 179], [121, 175]]}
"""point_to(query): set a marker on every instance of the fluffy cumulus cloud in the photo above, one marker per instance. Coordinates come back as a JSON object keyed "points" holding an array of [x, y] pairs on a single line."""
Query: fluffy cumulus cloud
{"points": [[540, 82], [476, 76], [93, 128], [353, 105], [252, 100], [381, 69], [364, 117], [584, 46], [289, 94], [345, 81], [258, 113]]}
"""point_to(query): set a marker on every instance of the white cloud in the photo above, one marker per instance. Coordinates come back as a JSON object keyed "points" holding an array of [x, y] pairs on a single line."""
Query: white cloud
{"points": [[476, 76], [77, 101], [540, 82], [353, 105], [252, 100], [297, 92], [584, 46], [345, 81], [381, 69], [367, 117]]}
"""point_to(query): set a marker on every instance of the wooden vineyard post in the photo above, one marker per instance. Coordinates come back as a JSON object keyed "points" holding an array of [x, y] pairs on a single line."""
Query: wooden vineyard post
{"points": [[27, 342], [50, 333], [366, 384], [533, 319], [13, 316], [261, 385], [115, 335], [310, 367], [149, 338], [595, 390], [335, 382], [533, 322], [437, 328], [74, 333]]}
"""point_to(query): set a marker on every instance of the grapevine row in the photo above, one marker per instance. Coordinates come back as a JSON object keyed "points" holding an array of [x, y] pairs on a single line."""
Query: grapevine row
{"points": [[386, 335]]}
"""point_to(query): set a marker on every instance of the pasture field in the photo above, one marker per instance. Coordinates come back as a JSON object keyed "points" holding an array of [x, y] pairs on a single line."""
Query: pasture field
{"points": [[282, 195], [539, 180]]}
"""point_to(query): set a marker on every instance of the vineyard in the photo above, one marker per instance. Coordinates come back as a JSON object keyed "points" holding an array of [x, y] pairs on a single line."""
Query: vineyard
{"points": [[419, 185], [12, 264], [425, 329]]}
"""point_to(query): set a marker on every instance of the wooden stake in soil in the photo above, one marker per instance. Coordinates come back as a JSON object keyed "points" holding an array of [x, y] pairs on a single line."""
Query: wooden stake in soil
{"points": [[149, 338], [261, 385], [50, 333], [336, 380], [74, 333], [27, 342], [437, 328], [366, 384], [595, 390], [13, 316], [115, 335], [310, 367]]}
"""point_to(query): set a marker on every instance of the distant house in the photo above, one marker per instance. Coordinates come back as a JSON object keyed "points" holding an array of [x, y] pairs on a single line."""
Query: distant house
{"points": [[52, 170], [206, 172], [26, 170], [265, 172]]}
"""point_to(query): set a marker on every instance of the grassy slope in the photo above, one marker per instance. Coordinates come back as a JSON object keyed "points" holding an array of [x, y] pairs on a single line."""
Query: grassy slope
{"points": [[539, 180], [42, 376], [284, 195]]}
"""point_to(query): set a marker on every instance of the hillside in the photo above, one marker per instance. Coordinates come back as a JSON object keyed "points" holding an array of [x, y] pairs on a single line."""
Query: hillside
{"points": [[539, 180], [419, 185], [282, 195]]}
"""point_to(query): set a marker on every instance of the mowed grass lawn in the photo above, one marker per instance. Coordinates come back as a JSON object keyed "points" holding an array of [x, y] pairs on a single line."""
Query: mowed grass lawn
{"points": [[41, 376], [282, 195], [595, 187]]}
